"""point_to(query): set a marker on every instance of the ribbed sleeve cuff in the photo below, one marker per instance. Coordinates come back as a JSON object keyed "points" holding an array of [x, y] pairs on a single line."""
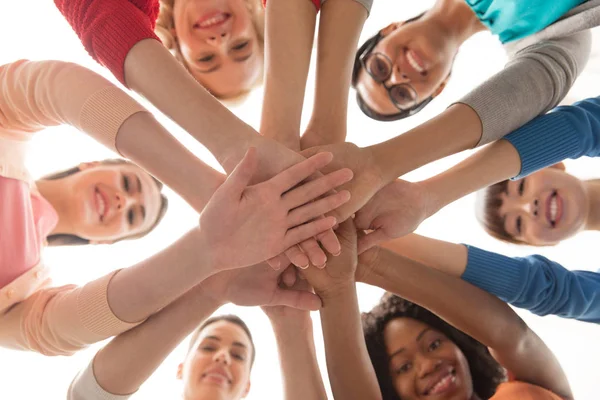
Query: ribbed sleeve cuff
{"points": [[497, 274], [104, 112], [86, 387], [94, 311], [543, 142]]}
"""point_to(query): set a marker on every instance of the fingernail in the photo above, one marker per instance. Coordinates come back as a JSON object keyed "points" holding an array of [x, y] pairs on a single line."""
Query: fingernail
{"points": [[322, 266], [304, 267]]}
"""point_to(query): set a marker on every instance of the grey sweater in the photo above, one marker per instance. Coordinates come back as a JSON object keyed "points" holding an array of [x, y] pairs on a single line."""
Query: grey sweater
{"points": [[540, 72]]}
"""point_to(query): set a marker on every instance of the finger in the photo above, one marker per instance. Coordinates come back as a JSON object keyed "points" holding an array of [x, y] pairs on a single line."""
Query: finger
{"points": [[297, 257], [278, 261], [306, 231], [315, 188], [318, 208], [330, 242], [363, 218], [314, 252], [300, 299], [289, 276], [371, 240], [295, 174], [241, 176]]}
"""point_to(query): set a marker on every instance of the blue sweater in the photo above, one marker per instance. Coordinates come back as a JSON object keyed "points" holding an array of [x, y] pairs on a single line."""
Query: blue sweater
{"points": [[536, 284], [565, 132]]}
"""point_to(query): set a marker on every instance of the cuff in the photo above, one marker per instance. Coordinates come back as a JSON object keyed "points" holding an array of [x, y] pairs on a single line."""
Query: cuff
{"points": [[104, 112], [86, 387], [543, 142], [494, 273]]}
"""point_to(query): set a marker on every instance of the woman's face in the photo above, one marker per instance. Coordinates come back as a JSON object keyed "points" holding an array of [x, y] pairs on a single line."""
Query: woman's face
{"points": [[111, 201], [424, 363], [218, 365], [420, 57], [544, 208], [219, 44]]}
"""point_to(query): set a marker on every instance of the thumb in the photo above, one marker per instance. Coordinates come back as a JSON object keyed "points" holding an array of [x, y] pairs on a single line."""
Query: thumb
{"points": [[240, 177], [300, 299], [371, 240]]}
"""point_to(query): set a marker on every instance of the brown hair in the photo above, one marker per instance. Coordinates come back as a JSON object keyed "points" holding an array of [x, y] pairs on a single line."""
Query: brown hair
{"points": [[74, 240], [488, 214], [234, 319], [165, 24]]}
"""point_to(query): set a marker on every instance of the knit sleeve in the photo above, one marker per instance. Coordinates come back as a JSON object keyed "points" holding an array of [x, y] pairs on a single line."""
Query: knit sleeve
{"points": [[61, 320], [108, 29], [532, 83], [566, 132], [38, 94], [86, 387], [537, 284]]}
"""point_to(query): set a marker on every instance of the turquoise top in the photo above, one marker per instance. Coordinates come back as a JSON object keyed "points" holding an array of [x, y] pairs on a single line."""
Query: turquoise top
{"points": [[516, 19]]}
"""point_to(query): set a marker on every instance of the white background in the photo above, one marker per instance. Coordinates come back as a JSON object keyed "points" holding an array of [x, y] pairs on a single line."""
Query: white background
{"points": [[34, 29]]}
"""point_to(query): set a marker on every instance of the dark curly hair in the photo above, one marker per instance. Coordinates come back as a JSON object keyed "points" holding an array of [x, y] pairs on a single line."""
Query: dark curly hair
{"points": [[486, 372]]}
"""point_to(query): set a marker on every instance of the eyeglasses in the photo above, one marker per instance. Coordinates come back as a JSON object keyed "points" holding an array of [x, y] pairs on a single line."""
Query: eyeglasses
{"points": [[379, 67], [376, 72]]}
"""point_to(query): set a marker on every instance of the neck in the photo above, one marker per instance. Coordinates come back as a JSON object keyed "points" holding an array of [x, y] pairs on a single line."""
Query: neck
{"points": [[54, 192], [593, 218], [456, 19]]}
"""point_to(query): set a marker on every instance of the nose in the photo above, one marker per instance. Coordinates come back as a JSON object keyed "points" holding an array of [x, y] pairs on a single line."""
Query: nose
{"points": [[397, 75], [428, 365], [122, 200], [223, 357], [530, 207], [217, 39]]}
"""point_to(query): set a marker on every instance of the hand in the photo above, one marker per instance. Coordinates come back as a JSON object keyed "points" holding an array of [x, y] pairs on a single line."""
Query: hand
{"points": [[258, 285], [318, 134], [340, 271], [396, 210], [367, 177], [244, 225], [288, 316]]}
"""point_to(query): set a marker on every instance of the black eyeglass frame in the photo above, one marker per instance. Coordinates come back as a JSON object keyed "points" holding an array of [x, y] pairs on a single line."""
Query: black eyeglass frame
{"points": [[364, 50]]}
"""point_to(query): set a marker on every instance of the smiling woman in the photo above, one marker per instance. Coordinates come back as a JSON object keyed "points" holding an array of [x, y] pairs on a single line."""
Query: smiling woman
{"points": [[220, 42]]}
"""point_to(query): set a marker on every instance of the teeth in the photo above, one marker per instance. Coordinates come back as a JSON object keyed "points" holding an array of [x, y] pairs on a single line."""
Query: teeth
{"points": [[442, 383], [413, 63], [213, 21], [553, 209], [101, 204]]}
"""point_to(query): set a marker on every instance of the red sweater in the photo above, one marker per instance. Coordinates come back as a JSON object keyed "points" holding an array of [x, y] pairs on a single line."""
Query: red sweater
{"points": [[108, 29]]}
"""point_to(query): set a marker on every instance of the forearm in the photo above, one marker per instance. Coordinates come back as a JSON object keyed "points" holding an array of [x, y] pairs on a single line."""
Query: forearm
{"points": [[289, 32], [494, 163], [141, 290], [350, 371], [130, 359], [456, 129], [152, 71], [146, 142], [297, 356], [340, 25]]}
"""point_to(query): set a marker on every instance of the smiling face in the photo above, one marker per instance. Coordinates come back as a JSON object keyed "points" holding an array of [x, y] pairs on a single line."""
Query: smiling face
{"points": [[424, 363], [219, 44], [111, 201], [217, 366], [420, 56], [543, 208]]}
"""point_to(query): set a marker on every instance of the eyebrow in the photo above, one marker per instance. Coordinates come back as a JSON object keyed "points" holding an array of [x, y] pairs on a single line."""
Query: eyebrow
{"points": [[208, 71], [218, 339], [419, 336]]}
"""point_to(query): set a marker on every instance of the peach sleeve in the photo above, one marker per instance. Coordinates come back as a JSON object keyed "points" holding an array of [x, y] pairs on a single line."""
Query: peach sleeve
{"points": [[38, 94], [62, 320]]}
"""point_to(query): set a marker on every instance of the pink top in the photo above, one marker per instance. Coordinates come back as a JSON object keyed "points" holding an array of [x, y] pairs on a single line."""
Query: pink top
{"points": [[26, 219]]}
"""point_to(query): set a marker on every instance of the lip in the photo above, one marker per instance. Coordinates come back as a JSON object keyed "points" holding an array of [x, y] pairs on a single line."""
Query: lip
{"points": [[413, 62], [101, 213], [217, 375], [559, 208], [447, 375], [218, 18]]}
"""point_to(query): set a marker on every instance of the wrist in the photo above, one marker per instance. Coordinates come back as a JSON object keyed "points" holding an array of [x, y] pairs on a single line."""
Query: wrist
{"points": [[337, 292], [206, 253], [386, 166], [290, 325]]}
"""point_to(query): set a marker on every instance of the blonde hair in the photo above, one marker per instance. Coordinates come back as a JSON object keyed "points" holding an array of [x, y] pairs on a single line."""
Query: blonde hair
{"points": [[165, 25]]}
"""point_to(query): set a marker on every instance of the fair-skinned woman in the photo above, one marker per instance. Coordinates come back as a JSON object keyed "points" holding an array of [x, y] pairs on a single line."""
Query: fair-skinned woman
{"points": [[109, 202], [541, 209]]}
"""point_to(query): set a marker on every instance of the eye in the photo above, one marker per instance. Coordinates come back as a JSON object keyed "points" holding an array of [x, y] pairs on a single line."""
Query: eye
{"points": [[208, 348], [240, 46], [207, 58], [379, 68], [130, 217], [521, 187], [519, 223], [126, 183], [403, 368], [240, 357], [435, 345]]}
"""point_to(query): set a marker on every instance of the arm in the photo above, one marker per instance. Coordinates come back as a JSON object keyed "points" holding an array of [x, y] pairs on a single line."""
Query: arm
{"points": [[340, 24], [289, 32], [464, 306], [531, 84], [350, 372]]}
